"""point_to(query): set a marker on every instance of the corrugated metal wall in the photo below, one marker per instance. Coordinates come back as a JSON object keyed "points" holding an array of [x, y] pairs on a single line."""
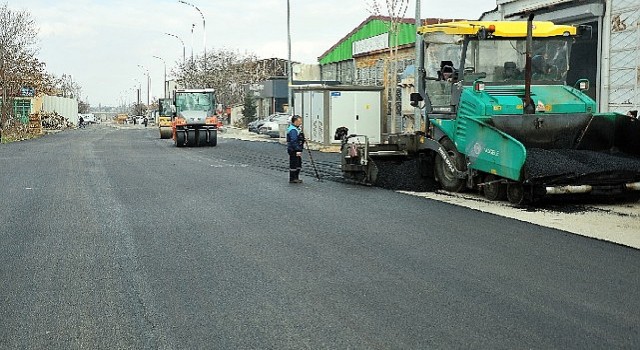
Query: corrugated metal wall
{"points": [[66, 107], [624, 59], [344, 50], [343, 72]]}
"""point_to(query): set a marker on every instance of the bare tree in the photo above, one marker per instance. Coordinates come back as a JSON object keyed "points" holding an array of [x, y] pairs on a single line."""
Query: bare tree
{"points": [[395, 10], [65, 86], [18, 67], [227, 71]]}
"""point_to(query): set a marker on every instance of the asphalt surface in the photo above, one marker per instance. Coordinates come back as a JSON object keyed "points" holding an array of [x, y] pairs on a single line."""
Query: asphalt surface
{"points": [[115, 239]]}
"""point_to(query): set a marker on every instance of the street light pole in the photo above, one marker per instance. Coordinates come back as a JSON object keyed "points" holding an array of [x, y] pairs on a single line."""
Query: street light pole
{"points": [[192, 26], [204, 30], [184, 57], [289, 71], [165, 75], [148, 84], [138, 88]]}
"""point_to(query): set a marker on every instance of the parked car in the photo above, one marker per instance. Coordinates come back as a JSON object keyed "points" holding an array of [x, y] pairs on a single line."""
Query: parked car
{"points": [[256, 124], [272, 127], [139, 119]]}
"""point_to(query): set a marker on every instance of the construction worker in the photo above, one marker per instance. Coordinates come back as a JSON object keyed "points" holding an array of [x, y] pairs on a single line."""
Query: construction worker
{"points": [[295, 145]]}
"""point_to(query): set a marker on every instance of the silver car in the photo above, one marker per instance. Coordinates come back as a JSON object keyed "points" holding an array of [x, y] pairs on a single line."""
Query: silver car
{"points": [[272, 127]]}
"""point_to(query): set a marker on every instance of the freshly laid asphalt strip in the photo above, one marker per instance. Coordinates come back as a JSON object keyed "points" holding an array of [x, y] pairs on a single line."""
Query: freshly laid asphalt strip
{"points": [[541, 162], [405, 176]]}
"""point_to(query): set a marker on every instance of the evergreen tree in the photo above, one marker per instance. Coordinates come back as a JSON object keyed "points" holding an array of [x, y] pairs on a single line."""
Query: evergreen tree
{"points": [[249, 109]]}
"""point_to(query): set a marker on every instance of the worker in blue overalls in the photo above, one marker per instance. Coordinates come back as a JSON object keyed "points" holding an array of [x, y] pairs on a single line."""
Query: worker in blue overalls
{"points": [[295, 145]]}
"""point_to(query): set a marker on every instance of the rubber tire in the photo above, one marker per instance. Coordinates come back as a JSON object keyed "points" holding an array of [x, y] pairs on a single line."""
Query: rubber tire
{"points": [[191, 137], [213, 138], [180, 139], [515, 193], [496, 191], [445, 177], [201, 139]]}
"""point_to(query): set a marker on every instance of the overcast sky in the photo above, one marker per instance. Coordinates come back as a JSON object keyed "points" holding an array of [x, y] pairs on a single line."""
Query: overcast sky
{"points": [[102, 42]]}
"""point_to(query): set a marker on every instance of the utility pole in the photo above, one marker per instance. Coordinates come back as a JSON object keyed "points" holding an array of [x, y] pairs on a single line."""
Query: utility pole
{"points": [[289, 70], [417, 115]]}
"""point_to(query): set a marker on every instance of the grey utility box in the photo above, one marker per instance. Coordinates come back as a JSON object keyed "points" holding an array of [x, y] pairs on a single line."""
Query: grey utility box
{"points": [[325, 108]]}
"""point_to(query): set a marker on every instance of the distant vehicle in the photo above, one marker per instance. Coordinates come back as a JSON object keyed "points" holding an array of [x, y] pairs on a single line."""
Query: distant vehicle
{"points": [[256, 124], [272, 127], [89, 118], [121, 118], [195, 122], [165, 113]]}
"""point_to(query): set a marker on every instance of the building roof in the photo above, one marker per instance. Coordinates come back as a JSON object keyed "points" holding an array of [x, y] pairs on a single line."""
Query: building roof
{"points": [[370, 27]]}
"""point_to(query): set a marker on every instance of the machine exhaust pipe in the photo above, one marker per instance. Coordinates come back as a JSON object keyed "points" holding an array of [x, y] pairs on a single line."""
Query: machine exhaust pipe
{"points": [[634, 186], [568, 189], [527, 103]]}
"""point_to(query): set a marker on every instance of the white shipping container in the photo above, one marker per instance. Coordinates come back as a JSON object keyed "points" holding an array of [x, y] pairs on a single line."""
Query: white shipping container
{"points": [[66, 107], [326, 108]]}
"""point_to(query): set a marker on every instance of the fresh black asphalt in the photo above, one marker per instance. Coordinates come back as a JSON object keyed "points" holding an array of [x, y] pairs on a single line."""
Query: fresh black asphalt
{"points": [[115, 239]]}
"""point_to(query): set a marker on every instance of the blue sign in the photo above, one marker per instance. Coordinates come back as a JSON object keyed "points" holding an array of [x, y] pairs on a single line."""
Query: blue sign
{"points": [[26, 91], [335, 93]]}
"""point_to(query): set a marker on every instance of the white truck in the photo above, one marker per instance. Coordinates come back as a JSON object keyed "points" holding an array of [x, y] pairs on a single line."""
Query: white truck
{"points": [[89, 118]]}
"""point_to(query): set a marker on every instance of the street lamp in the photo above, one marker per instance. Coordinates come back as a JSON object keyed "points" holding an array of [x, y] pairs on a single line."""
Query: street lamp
{"points": [[165, 75], [148, 84], [184, 60], [204, 29]]}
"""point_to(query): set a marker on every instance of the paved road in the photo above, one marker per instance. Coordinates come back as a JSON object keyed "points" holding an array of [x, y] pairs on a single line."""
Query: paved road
{"points": [[90, 258]]}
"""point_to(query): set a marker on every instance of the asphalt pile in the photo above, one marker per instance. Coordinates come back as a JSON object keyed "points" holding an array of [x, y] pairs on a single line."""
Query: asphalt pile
{"points": [[54, 121], [403, 176], [554, 162]]}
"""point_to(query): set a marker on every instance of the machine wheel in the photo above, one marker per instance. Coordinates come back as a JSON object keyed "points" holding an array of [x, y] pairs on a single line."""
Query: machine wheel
{"points": [[213, 138], [372, 172], [448, 179], [180, 139], [495, 191], [202, 138], [165, 133], [191, 137], [515, 193]]}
